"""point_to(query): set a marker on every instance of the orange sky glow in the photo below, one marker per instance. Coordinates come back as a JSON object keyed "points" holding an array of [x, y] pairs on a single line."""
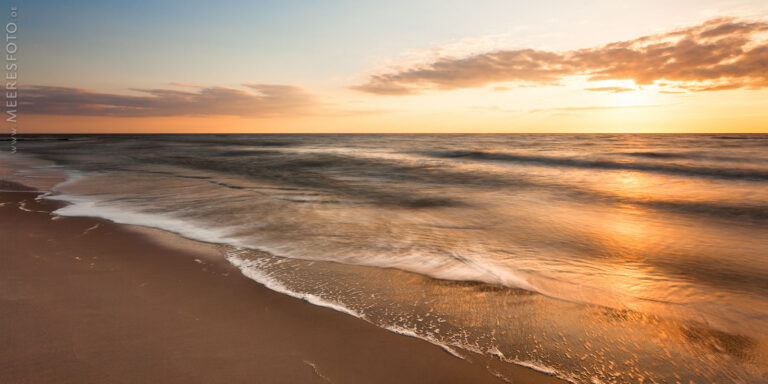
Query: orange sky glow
{"points": [[709, 76]]}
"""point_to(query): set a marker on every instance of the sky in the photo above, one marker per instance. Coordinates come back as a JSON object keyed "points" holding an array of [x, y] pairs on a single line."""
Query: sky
{"points": [[396, 66]]}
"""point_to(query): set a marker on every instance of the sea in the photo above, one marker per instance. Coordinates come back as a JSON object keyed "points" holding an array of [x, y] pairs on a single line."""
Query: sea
{"points": [[596, 258]]}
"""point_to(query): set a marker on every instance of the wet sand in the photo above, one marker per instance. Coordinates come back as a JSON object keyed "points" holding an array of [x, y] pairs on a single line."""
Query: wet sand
{"points": [[85, 300]]}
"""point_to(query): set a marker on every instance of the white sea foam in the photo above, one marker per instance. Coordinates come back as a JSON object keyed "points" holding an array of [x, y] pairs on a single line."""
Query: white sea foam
{"points": [[23, 207], [250, 268], [410, 333], [472, 269], [253, 269], [86, 207], [452, 349]]}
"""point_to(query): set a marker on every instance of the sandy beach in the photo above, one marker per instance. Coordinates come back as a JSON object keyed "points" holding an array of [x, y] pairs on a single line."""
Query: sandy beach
{"points": [[89, 301]]}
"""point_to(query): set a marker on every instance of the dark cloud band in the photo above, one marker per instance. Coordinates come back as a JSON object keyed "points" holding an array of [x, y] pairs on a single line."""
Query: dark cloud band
{"points": [[257, 100]]}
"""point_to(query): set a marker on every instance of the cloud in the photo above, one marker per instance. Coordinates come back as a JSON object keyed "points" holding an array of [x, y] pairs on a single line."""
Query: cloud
{"points": [[594, 108], [256, 100], [185, 85], [610, 89], [719, 54]]}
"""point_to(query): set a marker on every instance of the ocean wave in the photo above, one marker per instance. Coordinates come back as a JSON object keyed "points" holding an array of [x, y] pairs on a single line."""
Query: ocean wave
{"points": [[305, 171], [699, 156], [657, 155], [749, 212], [87, 207], [680, 170]]}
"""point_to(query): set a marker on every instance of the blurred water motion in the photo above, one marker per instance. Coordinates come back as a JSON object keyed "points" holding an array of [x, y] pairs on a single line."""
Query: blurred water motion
{"points": [[598, 258]]}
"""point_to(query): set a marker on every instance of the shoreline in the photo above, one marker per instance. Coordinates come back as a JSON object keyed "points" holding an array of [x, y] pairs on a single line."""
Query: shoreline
{"points": [[89, 300]]}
